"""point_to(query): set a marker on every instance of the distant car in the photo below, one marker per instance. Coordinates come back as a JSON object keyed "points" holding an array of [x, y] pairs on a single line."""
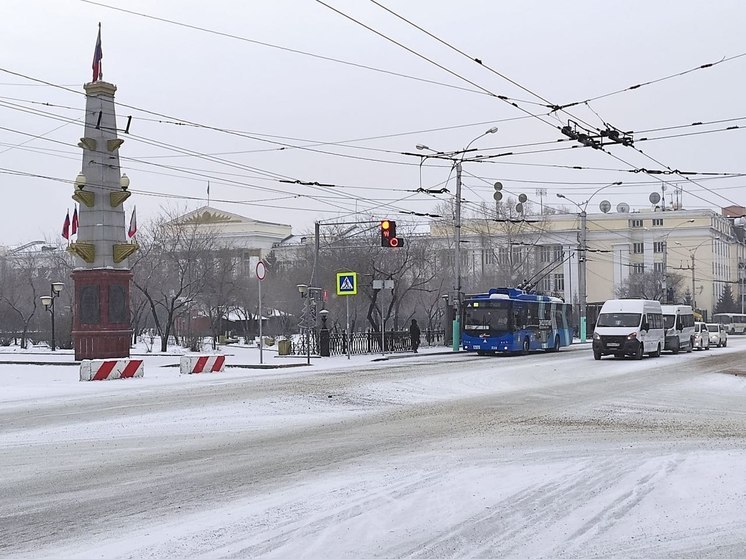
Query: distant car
{"points": [[718, 334], [701, 338]]}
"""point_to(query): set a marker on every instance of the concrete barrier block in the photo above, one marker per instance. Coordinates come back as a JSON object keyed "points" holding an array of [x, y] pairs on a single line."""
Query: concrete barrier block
{"points": [[111, 369], [191, 364]]}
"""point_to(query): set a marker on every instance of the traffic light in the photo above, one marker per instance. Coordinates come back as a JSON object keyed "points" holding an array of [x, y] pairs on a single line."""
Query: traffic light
{"points": [[388, 235]]}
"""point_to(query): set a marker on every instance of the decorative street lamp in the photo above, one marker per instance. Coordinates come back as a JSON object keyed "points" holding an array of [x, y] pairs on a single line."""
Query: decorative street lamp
{"points": [[48, 302], [305, 295]]}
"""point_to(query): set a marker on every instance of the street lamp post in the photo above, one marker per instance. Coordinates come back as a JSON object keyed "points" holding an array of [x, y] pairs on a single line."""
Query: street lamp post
{"points": [[305, 295], [582, 249], [692, 255], [583, 257], [457, 157], [48, 302], [665, 259], [309, 295]]}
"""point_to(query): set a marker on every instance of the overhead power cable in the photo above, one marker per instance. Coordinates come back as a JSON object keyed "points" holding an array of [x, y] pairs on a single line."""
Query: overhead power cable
{"points": [[643, 84], [279, 47], [549, 104]]}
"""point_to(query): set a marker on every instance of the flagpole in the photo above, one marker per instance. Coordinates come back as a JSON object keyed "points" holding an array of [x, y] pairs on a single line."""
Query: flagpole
{"points": [[101, 64]]}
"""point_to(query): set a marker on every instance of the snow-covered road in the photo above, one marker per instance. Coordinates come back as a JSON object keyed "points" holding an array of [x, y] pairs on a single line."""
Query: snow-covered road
{"points": [[550, 455]]}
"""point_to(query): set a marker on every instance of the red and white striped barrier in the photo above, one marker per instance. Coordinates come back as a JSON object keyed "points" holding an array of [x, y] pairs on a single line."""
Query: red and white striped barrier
{"points": [[191, 364], [110, 369]]}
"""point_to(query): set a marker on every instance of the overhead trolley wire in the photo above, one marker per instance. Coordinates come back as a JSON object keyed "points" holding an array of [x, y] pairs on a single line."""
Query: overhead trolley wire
{"points": [[477, 60]]}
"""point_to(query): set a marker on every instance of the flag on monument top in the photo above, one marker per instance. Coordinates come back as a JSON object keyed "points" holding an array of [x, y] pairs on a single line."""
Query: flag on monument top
{"points": [[133, 224], [66, 226], [98, 55], [74, 224]]}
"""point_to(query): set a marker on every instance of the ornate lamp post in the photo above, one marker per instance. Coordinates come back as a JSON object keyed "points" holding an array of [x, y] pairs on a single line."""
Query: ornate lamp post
{"points": [[48, 302], [303, 290]]}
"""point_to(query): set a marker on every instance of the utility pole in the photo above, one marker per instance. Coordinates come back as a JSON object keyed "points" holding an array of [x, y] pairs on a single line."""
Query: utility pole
{"points": [[694, 296], [457, 157], [582, 274], [665, 271], [316, 243], [541, 192], [457, 287]]}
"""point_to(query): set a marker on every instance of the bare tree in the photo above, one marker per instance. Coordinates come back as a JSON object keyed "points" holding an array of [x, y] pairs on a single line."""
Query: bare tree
{"points": [[649, 285], [18, 293], [170, 269]]}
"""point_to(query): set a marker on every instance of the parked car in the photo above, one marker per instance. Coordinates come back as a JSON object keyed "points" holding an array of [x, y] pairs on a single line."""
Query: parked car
{"points": [[718, 334], [701, 339]]}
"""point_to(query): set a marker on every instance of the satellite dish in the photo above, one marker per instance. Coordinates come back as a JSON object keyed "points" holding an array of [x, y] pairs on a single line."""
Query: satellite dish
{"points": [[497, 195], [498, 186], [622, 207], [605, 206], [522, 198], [654, 197], [519, 208]]}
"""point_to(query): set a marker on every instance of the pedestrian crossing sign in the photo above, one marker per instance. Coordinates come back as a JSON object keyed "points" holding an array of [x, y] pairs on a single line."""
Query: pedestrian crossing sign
{"points": [[347, 283]]}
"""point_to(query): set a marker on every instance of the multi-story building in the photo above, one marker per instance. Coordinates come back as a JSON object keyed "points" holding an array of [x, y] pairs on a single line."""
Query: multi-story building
{"points": [[697, 252]]}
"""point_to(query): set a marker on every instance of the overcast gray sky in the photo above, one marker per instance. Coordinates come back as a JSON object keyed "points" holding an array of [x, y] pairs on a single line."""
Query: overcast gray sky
{"points": [[283, 110]]}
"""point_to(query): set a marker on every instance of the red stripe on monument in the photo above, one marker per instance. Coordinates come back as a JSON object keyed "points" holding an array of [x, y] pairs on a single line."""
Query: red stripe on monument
{"points": [[219, 360]]}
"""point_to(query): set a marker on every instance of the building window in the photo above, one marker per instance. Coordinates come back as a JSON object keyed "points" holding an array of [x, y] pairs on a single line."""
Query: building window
{"points": [[635, 223], [559, 282], [550, 253], [658, 222], [658, 267], [545, 285], [638, 268], [638, 248], [545, 254], [658, 247]]}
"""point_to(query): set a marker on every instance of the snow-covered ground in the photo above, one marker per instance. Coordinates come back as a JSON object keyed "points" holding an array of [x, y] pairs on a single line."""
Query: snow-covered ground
{"points": [[434, 455]]}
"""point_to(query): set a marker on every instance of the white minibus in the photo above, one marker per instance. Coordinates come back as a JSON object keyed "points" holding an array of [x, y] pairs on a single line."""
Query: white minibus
{"points": [[629, 327], [678, 321]]}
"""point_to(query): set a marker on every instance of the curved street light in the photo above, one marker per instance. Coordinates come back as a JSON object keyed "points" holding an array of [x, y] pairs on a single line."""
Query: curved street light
{"points": [[457, 161], [666, 298], [692, 255], [583, 250]]}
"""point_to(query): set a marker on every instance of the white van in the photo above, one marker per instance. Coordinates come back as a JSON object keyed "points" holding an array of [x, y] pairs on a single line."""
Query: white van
{"points": [[629, 327], [678, 320]]}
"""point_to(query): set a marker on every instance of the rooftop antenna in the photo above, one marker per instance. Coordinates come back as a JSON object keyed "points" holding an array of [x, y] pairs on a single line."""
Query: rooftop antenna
{"points": [[654, 198]]}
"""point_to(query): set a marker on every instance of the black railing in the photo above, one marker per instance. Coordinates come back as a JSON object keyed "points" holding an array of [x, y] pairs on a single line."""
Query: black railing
{"points": [[368, 342]]}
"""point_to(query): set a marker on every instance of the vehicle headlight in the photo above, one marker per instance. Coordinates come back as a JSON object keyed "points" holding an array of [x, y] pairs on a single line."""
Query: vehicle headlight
{"points": [[632, 336], [596, 336]]}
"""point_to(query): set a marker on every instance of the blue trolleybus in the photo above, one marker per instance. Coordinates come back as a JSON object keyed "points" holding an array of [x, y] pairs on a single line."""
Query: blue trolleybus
{"points": [[509, 320]]}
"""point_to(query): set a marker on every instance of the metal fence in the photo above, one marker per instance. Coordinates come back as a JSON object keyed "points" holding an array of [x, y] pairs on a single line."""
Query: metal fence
{"points": [[367, 342]]}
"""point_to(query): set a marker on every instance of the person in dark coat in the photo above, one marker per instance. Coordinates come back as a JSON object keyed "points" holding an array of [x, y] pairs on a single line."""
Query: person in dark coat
{"points": [[414, 335]]}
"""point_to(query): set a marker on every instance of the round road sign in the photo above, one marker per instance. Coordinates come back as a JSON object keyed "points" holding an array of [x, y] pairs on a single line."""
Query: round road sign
{"points": [[261, 270]]}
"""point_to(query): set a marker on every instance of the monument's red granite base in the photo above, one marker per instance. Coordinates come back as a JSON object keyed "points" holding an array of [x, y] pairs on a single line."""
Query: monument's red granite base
{"points": [[101, 316]]}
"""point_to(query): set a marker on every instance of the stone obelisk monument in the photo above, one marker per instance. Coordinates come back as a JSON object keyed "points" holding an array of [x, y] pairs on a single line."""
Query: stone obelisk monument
{"points": [[101, 314]]}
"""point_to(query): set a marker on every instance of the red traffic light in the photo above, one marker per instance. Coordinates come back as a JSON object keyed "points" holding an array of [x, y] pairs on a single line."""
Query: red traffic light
{"points": [[388, 234]]}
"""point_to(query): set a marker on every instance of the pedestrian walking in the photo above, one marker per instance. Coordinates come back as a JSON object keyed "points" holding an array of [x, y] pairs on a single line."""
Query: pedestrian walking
{"points": [[414, 335]]}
